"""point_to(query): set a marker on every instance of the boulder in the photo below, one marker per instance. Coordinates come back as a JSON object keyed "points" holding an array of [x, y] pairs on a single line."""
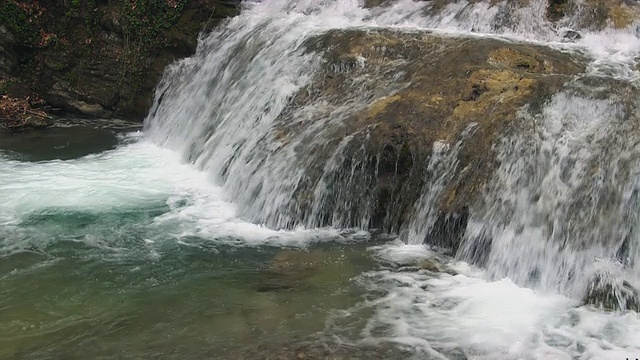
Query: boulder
{"points": [[611, 294], [395, 100], [8, 57]]}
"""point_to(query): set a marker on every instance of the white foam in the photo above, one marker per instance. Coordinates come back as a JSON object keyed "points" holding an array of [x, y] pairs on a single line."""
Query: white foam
{"points": [[399, 253], [489, 319], [130, 175], [136, 175], [614, 53]]}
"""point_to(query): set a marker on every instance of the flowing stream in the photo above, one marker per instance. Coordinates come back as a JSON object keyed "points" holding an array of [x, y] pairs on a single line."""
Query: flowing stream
{"points": [[187, 240]]}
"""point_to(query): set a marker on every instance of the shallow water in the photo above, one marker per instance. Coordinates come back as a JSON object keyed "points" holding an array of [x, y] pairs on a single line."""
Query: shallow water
{"points": [[181, 302], [101, 258]]}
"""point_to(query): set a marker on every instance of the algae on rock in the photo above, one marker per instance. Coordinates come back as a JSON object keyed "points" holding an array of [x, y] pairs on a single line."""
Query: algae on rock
{"points": [[392, 96]]}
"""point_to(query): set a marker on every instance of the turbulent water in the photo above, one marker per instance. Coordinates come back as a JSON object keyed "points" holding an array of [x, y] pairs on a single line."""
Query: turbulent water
{"points": [[167, 243]]}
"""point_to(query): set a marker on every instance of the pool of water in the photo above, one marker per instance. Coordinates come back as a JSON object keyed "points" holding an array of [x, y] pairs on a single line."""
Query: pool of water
{"points": [[73, 301], [101, 259]]}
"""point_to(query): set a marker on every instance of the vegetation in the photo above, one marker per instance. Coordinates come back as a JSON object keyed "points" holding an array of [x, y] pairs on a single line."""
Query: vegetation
{"points": [[143, 22], [108, 53], [20, 113], [149, 18], [18, 18]]}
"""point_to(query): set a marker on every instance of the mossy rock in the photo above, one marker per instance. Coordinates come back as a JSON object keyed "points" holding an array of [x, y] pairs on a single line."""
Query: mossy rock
{"points": [[595, 14], [610, 294], [398, 94], [102, 59]]}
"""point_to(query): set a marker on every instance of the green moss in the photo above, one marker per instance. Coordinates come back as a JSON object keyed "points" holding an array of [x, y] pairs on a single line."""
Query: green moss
{"points": [[58, 67], [4, 86], [144, 22], [146, 19], [17, 22]]}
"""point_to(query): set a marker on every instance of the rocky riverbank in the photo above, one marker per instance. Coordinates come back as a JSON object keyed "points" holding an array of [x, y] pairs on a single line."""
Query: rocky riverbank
{"points": [[93, 58]]}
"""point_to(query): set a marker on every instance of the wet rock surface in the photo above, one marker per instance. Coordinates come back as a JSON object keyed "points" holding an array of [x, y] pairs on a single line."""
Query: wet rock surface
{"points": [[598, 14], [392, 96], [583, 15], [611, 294]]}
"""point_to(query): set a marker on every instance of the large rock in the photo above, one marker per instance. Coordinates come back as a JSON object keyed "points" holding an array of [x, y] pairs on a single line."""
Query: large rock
{"points": [[391, 97], [595, 14], [578, 14], [611, 293], [104, 60], [8, 58]]}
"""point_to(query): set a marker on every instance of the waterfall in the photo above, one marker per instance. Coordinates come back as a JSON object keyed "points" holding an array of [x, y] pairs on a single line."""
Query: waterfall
{"points": [[561, 205], [221, 107], [564, 202]]}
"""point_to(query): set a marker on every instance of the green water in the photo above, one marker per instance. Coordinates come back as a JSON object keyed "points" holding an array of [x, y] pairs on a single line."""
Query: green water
{"points": [[91, 285], [74, 139], [73, 301], [87, 286]]}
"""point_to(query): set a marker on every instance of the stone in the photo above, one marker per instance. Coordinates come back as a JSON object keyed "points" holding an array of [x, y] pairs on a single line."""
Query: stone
{"points": [[89, 63], [571, 35], [429, 266], [8, 57], [397, 95], [611, 294]]}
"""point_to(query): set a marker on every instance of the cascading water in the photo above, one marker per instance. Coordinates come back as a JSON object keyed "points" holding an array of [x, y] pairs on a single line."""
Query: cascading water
{"points": [[570, 184], [272, 117], [565, 199], [260, 60], [561, 208]]}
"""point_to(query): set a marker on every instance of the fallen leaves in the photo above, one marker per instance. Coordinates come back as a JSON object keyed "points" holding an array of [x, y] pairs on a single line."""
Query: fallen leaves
{"points": [[19, 113]]}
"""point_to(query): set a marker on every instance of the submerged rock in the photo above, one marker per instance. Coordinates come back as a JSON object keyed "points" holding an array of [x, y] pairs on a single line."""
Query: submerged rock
{"points": [[315, 350], [292, 269], [611, 294]]}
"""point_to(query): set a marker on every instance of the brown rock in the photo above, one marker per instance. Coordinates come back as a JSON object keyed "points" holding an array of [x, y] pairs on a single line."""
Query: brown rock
{"points": [[94, 60], [8, 56], [595, 14], [405, 92]]}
